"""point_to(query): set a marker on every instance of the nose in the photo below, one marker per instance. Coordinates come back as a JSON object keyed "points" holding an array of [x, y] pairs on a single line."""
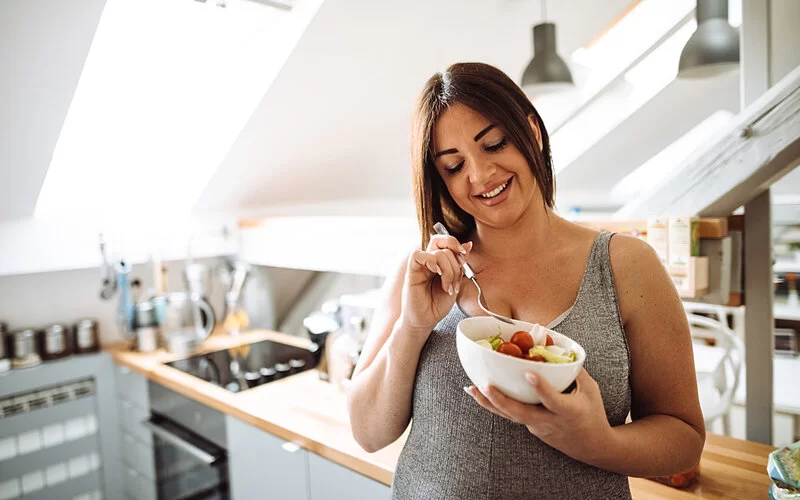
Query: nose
{"points": [[481, 172]]}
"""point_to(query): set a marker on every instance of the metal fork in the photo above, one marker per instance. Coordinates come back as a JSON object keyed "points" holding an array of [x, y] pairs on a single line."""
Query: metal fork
{"points": [[440, 229]]}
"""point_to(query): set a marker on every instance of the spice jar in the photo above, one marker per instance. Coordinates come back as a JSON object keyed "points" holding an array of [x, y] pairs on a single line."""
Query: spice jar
{"points": [[86, 336]]}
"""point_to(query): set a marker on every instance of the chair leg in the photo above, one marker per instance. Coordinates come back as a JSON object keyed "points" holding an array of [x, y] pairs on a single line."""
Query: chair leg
{"points": [[726, 424]]}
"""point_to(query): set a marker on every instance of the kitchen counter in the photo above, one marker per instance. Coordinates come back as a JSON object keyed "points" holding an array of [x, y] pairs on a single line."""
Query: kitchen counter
{"points": [[313, 414]]}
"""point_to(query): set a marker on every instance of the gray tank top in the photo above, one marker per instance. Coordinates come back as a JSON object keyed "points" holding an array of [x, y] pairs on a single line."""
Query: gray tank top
{"points": [[458, 450]]}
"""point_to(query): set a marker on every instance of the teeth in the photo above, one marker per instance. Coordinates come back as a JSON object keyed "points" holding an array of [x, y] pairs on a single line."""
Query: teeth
{"points": [[494, 192]]}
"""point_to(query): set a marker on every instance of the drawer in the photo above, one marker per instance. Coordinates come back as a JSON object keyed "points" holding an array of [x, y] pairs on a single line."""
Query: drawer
{"points": [[131, 418], [138, 455], [132, 387], [138, 486]]}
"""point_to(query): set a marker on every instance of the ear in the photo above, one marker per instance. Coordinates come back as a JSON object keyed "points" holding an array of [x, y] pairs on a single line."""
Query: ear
{"points": [[536, 132]]}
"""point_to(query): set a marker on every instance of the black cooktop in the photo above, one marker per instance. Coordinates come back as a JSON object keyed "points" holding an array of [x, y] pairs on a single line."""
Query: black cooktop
{"points": [[248, 366]]}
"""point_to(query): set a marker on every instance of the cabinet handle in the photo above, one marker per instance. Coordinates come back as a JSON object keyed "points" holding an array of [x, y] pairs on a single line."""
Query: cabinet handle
{"points": [[290, 447], [196, 452]]}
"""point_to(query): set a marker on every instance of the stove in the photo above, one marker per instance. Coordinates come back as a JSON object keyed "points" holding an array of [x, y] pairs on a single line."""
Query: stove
{"points": [[257, 364]]}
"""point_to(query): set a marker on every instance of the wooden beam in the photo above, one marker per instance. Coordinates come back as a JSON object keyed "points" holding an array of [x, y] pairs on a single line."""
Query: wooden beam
{"points": [[758, 148]]}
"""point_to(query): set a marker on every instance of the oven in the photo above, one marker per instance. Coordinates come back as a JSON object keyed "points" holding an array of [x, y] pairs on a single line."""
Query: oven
{"points": [[189, 447]]}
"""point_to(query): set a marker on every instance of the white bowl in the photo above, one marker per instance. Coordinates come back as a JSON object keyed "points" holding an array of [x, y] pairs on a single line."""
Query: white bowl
{"points": [[507, 373]]}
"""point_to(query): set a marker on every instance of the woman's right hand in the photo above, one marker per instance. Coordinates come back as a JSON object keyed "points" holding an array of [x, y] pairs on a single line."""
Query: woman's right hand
{"points": [[432, 283]]}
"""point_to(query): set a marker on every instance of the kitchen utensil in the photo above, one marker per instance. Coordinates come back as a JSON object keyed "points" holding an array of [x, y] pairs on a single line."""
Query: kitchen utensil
{"points": [[55, 342], [25, 350], [188, 313], [109, 280], [146, 338], [5, 362], [181, 342], [440, 229], [319, 325], [125, 306], [234, 317], [86, 336]]}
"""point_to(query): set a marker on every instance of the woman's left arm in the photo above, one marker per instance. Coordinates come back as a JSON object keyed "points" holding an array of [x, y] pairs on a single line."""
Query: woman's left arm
{"points": [[667, 433]]}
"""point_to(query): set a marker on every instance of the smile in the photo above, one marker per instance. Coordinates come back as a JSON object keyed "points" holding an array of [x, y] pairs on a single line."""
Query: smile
{"points": [[494, 192]]}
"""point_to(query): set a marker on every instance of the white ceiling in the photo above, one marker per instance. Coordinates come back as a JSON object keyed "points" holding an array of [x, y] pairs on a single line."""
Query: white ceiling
{"points": [[334, 124], [651, 128], [43, 45], [332, 130]]}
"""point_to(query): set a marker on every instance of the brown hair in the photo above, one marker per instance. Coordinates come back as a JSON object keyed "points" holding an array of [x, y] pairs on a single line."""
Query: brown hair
{"points": [[490, 92]]}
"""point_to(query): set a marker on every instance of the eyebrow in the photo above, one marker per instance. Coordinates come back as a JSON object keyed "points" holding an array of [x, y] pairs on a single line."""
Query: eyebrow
{"points": [[476, 138]]}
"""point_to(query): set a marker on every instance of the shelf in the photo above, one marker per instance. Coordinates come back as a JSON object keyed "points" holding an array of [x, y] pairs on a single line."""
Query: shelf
{"points": [[786, 311], [710, 228]]}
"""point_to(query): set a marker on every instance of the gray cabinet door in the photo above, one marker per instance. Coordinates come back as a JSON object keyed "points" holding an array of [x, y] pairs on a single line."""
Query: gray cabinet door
{"points": [[263, 466], [330, 481]]}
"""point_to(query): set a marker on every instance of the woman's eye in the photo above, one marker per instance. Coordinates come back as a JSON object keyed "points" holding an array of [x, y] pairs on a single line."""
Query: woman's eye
{"points": [[497, 146], [454, 168]]}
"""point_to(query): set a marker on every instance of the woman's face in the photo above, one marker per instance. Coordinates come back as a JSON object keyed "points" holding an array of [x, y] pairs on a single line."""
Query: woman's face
{"points": [[485, 173]]}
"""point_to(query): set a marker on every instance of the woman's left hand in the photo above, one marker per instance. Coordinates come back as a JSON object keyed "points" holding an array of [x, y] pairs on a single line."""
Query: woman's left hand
{"points": [[573, 423]]}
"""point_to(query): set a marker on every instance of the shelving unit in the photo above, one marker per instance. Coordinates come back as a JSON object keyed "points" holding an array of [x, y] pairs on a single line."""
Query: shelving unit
{"points": [[720, 244]]}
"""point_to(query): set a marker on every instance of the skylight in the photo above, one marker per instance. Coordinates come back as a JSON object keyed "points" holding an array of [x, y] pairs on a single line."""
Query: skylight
{"points": [[165, 90], [633, 60], [671, 159], [620, 99]]}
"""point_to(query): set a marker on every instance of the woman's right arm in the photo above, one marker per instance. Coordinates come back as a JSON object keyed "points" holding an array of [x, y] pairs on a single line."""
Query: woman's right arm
{"points": [[379, 397]]}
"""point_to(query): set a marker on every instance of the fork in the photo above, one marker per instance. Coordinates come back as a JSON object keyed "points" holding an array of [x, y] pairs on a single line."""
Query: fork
{"points": [[441, 230]]}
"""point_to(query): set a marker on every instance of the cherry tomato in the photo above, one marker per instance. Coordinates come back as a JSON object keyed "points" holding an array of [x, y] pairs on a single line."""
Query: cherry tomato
{"points": [[549, 341], [536, 357], [523, 340], [510, 349]]}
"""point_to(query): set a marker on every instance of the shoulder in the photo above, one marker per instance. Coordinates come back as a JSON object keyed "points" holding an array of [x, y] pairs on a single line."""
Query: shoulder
{"points": [[639, 277]]}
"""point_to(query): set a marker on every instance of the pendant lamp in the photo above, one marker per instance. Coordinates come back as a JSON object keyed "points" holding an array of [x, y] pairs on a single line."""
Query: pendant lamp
{"points": [[547, 72], [713, 48]]}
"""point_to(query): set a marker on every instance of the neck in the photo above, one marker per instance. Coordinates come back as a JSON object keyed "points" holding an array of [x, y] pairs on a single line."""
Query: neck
{"points": [[529, 236]]}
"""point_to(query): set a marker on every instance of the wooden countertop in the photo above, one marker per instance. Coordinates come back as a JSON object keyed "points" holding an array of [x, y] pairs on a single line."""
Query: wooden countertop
{"points": [[313, 414]]}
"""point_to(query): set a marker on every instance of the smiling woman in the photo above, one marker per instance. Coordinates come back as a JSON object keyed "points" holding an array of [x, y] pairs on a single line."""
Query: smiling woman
{"points": [[482, 167], [480, 90]]}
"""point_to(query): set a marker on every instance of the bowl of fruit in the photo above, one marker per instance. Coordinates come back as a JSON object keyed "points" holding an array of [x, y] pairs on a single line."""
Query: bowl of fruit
{"points": [[499, 354]]}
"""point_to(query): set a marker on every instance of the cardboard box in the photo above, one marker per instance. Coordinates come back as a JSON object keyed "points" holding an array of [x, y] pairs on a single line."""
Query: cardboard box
{"points": [[684, 240], [691, 279]]}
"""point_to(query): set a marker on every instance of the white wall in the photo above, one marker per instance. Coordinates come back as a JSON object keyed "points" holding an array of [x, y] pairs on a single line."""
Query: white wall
{"points": [[270, 296], [35, 300]]}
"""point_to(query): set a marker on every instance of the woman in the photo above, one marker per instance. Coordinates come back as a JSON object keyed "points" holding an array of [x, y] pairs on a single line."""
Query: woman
{"points": [[482, 166]]}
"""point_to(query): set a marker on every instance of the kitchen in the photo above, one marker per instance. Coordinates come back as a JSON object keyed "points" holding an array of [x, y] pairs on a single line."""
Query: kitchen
{"points": [[203, 169]]}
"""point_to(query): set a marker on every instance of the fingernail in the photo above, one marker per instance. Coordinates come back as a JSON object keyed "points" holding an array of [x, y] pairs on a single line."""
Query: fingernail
{"points": [[439, 270], [458, 287], [469, 244], [533, 379], [466, 389], [462, 249], [485, 389], [450, 290]]}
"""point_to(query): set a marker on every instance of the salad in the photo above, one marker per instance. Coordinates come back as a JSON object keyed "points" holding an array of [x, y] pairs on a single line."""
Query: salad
{"points": [[535, 345]]}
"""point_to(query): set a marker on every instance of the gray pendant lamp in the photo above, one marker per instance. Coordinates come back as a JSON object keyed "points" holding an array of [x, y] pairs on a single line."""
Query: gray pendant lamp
{"points": [[547, 72], [713, 48]]}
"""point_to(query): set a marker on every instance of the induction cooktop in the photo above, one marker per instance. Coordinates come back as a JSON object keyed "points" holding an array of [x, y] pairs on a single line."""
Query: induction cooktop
{"points": [[248, 366]]}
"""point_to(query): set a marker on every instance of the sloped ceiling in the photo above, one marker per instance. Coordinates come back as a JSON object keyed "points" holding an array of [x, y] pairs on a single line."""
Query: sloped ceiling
{"points": [[43, 45], [658, 123], [334, 124]]}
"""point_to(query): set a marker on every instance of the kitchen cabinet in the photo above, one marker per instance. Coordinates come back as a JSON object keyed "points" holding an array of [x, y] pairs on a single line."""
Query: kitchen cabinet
{"points": [[263, 466], [331, 481], [136, 442]]}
